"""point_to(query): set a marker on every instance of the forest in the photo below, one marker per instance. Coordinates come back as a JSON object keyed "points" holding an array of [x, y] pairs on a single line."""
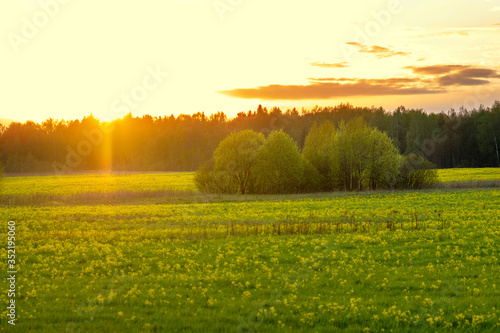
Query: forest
{"points": [[455, 138]]}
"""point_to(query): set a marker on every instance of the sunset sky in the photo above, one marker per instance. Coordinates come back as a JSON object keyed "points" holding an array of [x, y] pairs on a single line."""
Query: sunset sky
{"points": [[67, 59]]}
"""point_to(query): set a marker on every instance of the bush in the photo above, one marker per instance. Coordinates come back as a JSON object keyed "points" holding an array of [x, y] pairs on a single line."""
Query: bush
{"points": [[313, 180], [279, 165], [204, 178], [415, 172], [363, 157], [208, 180], [383, 161], [234, 159], [318, 148]]}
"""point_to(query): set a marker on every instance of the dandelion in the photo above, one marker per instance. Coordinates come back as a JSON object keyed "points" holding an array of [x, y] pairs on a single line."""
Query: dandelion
{"points": [[428, 302], [100, 298]]}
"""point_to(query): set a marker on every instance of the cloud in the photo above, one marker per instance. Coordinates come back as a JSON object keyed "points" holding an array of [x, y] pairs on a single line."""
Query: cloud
{"points": [[425, 80], [389, 82], [435, 70], [495, 9], [379, 51], [468, 77], [332, 88], [445, 34], [330, 79], [330, 65], [457, 75]]}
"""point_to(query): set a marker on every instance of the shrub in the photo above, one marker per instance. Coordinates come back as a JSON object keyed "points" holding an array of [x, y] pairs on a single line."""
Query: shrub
{"points": [[318, 148], [383, 161], [279, 165], [415, 172], [204, 178], [208, 180], [234, 159], [313, 180], [363, 157]]}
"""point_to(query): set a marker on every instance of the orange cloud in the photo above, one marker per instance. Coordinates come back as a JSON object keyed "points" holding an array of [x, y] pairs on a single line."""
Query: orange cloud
{"points": [[379, 51], [468, 77], [445, 33], [435, 70], [389, 82], [333, 89], [458, 75], [330, 65]]}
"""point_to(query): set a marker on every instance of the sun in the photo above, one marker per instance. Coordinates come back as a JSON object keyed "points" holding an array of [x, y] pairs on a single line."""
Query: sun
{"points": [[106, 117]]}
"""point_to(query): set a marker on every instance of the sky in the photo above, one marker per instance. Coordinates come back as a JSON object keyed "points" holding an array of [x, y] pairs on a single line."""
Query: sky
{"points": [[66, 59]]}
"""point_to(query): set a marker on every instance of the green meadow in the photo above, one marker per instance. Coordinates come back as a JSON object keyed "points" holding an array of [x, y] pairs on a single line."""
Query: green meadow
{"points": [[149, 253]]}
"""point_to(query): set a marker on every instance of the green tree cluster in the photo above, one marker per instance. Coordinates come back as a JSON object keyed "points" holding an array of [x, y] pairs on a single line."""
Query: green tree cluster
{"points": [[352, 157], [247, 162]]}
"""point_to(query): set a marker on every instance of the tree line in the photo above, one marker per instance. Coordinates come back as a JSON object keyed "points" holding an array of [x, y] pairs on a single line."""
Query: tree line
{"points": [[456, 138]]}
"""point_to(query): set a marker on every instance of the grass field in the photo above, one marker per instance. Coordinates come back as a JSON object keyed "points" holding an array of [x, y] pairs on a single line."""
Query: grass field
{"points": [[389, 261], [93, 188], [74, 184], [467, 175]]}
